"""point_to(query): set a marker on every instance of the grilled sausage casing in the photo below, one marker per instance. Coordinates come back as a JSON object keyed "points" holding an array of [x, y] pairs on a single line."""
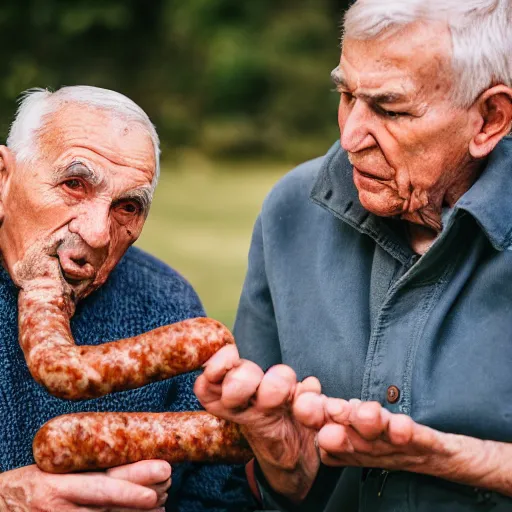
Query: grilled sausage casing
{"points": [[92, 441], [76, 372]]}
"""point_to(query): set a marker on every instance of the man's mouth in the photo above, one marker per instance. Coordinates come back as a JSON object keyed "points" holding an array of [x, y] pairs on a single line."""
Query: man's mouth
{"points": [[75, 268], [370, 176]]}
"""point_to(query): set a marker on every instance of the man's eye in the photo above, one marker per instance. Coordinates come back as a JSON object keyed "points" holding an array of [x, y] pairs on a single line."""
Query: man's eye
{"points": [[391, 113], [73, 184], [131, 208]]}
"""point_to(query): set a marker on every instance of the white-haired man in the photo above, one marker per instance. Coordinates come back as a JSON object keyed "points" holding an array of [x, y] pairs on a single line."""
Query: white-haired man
{"points": [[383, 270], [76, 182]]}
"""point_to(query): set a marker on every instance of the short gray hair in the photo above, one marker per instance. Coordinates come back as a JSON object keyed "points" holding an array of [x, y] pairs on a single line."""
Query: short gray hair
{"points": [[35, 104], [480, 30]]}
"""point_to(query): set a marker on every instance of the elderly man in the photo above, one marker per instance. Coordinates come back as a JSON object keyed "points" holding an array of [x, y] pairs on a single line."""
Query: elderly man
{"points": [[383, 270], [76, 182]]}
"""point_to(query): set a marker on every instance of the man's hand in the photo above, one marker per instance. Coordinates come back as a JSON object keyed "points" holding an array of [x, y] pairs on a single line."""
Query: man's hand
{"points": [[239, 391], [366, 434], [130, 488]]}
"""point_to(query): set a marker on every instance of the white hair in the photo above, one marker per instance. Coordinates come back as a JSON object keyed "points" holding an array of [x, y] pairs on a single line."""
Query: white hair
{"points": [[36, 104], [481, 32]]}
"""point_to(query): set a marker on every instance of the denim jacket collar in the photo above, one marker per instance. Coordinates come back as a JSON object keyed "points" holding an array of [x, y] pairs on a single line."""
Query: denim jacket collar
{"points": [[489, 200]]}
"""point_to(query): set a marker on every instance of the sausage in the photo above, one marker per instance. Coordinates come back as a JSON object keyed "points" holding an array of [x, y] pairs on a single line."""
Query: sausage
{"points": [[77, 372], [90, 441]]}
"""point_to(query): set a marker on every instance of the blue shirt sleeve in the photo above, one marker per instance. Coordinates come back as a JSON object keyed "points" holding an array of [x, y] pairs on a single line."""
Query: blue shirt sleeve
{"points": [[255, 328]]}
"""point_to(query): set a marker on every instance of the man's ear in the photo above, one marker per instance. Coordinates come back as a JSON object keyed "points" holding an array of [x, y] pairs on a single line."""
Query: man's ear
{"points": [[495, 108], [7, 162]]}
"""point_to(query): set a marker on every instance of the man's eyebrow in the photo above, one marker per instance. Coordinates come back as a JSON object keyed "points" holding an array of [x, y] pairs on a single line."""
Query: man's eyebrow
{"points": [[143, 195], [381, 97], [77, 170], [384, 97]]}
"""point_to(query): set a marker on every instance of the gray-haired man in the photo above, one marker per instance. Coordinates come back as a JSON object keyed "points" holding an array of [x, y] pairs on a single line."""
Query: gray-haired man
{"points": [[76, 182], [383, 270]]}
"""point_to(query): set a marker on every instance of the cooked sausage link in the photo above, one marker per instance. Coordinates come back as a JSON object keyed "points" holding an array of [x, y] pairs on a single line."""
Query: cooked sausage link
{"points": [[78, 372], [91, 441]]}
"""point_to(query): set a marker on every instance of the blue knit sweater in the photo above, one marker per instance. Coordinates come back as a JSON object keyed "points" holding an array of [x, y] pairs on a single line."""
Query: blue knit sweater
{"points": [[141, 294]]}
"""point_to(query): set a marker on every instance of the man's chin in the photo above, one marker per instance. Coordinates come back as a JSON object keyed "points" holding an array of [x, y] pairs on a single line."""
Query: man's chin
{"points": [[386, 204]]}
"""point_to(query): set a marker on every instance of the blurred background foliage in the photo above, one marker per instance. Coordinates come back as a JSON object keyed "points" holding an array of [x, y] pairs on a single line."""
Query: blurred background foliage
{"points": [[228, 78], [245, 82]]}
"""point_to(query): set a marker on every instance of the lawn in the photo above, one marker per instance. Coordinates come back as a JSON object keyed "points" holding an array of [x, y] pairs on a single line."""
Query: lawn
{"points": [[201, 222]]}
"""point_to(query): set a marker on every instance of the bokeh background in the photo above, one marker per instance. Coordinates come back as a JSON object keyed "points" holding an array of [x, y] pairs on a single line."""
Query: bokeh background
{"points": [[239, 92]]}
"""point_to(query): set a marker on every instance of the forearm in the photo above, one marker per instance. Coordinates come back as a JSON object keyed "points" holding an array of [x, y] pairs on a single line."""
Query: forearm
{"points": [[473, 462]]}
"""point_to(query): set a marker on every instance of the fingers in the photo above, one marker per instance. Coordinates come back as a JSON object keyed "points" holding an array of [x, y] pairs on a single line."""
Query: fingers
{"points": [[276, 388], [208, 386], [333, 439], [241, 384], [309, 385], [309, 409], [338, 410], [104, 491], [162, 487], [404, 431], [370, 420], [145, 472], [353, 427], [154, 474], [206, 391], [230, 385], [400, 430], [221, 363]]}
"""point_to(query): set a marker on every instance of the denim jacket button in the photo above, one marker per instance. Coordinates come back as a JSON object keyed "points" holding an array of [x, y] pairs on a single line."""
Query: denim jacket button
{"points": [[393, 394]]}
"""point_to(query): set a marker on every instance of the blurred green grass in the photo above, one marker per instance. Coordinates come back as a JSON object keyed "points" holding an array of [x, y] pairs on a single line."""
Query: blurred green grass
{"points": [[201, 223]]}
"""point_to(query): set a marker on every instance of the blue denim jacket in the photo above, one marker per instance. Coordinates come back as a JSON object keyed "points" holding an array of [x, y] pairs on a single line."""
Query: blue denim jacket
{"points": [[336, 292]]}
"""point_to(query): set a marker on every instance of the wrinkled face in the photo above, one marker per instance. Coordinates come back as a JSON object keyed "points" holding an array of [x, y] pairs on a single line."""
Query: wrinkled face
{"points": [[84, 199], [406, 139]]}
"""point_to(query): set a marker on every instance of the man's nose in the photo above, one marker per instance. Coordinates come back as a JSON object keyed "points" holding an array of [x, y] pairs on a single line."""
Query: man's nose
{"points": [[354, 127], [93, 226]]}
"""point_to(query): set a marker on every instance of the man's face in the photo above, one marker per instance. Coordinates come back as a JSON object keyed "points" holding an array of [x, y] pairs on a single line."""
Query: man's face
{"points": [[406, 139], [84, 199]]}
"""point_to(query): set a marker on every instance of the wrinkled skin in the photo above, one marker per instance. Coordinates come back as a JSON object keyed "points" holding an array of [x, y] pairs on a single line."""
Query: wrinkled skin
{"points": [[51, 207], [67, 217], [409, 143], [238, 390], [130, 488], [412, 153], [365, 434], [408, 152]]}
